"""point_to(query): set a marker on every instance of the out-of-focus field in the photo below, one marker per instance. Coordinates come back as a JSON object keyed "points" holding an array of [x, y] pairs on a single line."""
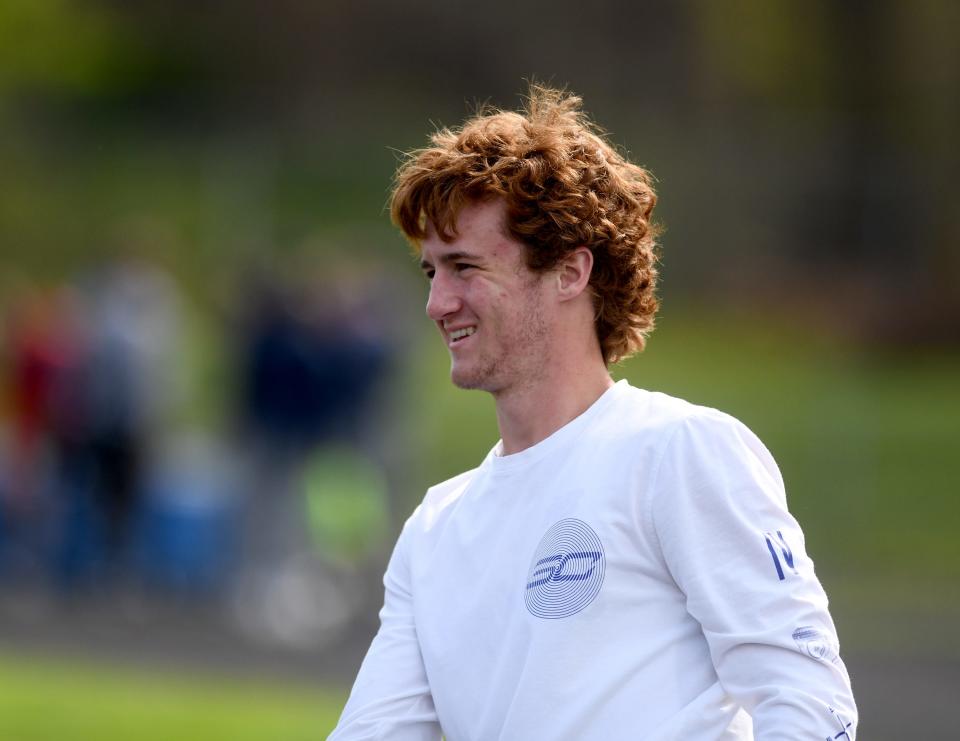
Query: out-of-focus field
{"points": [[40, 700]]}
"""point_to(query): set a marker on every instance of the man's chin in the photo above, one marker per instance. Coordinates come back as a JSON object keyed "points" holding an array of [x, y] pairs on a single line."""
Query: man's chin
{"points": [[464, 382], [470, 379]]}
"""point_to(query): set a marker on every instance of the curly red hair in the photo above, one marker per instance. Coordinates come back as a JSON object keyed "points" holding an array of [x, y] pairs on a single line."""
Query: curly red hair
{"points": [[564, 187]]}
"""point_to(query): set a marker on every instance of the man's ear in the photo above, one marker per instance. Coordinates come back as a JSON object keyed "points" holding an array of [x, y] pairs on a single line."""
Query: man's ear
{"points": [[573, 273]]}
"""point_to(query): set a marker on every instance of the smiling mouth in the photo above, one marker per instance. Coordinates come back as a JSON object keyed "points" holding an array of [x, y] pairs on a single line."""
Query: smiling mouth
{"points": [[459, 334]]}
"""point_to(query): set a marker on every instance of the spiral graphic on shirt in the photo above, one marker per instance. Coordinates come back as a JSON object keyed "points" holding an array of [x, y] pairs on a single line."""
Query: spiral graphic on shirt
{"points": [[566, 571]]}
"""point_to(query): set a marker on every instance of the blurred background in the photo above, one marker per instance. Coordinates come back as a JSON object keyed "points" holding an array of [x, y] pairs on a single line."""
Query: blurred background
{"points": [[219, 398]]}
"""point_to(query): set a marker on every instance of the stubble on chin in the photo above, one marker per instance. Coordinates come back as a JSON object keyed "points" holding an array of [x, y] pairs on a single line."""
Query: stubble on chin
{"points": [[496, 374], [480, 378]]}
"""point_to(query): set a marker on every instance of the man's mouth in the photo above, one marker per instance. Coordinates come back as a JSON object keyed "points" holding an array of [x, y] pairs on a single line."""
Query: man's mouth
{"points": [[458, 334]]}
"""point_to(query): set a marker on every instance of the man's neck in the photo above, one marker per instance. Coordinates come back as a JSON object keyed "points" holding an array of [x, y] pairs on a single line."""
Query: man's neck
{"points": [[526, 415]]}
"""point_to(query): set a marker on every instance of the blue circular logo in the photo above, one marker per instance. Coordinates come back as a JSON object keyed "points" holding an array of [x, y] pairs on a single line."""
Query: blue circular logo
{"points": [[566, 571]]}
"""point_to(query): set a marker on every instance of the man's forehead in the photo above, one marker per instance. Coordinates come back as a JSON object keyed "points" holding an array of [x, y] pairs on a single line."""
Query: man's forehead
{"points": [[472, 216], [480, 235]]}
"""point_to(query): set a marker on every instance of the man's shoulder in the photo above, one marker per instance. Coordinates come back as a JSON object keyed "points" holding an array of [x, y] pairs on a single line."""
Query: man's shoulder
{"points": [[660, 413], [659, 421], [452, 486], [692, 431], [440, 499]]}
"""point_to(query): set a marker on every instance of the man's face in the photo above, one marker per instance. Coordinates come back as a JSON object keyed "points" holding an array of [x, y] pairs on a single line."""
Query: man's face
{"points": [[488, 306]]}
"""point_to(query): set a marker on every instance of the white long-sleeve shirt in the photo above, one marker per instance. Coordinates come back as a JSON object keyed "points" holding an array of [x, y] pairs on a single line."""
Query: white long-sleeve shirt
{"points": [[636, 575]]}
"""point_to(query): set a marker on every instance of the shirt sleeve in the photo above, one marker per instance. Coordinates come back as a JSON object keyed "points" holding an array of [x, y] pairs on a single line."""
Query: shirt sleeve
{"points": [[391, 696], [720, 514]]}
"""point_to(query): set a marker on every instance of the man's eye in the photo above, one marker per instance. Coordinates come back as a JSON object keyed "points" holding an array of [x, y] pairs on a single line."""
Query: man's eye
{"points": [[461, 266], [428, 274]]}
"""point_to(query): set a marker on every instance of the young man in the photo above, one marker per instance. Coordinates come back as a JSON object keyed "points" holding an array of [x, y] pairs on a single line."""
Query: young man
{"points": [[622, 563]]}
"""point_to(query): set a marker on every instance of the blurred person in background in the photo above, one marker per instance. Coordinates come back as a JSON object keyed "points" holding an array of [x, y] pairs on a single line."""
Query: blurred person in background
{"points": [[112, 410], [311, 357], [313, 353], [44, 342], [622, 562], [92, 387]]}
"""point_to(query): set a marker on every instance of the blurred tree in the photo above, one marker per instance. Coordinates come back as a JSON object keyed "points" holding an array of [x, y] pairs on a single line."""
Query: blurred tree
{"points": [[55, 46], [807, 143]]}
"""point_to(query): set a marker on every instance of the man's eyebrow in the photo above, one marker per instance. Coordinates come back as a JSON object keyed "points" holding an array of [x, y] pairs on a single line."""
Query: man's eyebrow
{"points": [[450, 257]]}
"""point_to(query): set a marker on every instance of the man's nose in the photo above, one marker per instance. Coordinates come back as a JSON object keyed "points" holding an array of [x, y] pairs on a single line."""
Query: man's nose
{"points": [[443, 299]]}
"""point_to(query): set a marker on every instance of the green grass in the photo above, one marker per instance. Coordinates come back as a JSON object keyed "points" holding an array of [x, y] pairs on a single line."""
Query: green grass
{"points": [[45, 700]]}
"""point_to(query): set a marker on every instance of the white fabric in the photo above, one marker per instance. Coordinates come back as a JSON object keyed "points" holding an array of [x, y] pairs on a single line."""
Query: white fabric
{"points": [[690, 636]]}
